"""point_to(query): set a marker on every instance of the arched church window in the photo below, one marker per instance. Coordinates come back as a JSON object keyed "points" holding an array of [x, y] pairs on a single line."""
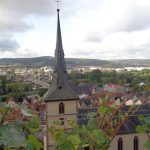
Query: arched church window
{"points": [[61, 108], [120, 144], [136, 143]]}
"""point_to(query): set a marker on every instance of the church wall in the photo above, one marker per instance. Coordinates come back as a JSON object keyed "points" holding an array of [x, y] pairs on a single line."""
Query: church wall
{"points": [[53, 114], [128, 141], [70, 107]]}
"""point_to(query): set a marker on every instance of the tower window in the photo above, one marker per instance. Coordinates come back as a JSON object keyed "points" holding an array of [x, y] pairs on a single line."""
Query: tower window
{"points": [[136, 143], [61, 108], [120, 144], [62, 121]]}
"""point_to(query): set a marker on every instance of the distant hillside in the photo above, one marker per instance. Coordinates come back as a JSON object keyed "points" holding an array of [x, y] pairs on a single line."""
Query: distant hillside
{"points": [[131, 62], [39, 61], [44, 61]]}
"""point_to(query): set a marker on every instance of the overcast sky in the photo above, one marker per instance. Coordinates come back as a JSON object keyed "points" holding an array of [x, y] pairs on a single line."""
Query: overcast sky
{"points": [[99, 29]]}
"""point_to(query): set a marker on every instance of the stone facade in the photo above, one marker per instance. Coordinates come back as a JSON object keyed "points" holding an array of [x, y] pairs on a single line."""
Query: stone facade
{"points": [[128, 141], [70, 113]]}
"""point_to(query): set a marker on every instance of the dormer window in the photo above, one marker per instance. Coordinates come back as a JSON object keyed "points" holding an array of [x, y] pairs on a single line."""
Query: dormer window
{"points": [[61, 108]]}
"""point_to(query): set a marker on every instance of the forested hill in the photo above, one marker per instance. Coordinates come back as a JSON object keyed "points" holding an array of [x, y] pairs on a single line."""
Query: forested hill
{"points": [[44, 61], [132, 62]]}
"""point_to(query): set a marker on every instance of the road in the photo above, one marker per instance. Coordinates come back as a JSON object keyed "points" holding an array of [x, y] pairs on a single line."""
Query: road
{"points": [[36, 81]]}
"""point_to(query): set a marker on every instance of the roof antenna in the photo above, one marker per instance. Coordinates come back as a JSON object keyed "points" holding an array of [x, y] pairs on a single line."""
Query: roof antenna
{"points": [[57, 1]]}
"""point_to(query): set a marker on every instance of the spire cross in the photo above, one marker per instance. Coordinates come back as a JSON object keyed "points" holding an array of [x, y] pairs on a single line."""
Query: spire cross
{"points": [[58, 1]]}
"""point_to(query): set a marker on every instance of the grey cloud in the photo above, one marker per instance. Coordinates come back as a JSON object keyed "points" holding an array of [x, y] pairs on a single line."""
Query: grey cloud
{"points": [[134, 51], [93, 38], [140, 51], [137, 22], [81, 52], [24, 7], [14, 26], [8, 44], [14, 12], [129, 54], [137, 18]]}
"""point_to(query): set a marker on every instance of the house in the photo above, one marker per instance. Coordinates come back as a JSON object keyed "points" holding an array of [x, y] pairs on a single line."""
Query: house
{"points": [[11, 102], [83, 90], [114, 88]]}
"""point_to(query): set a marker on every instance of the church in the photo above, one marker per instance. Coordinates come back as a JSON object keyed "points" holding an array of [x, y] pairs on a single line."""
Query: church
{"points": [[61, 100], [62, 104]]}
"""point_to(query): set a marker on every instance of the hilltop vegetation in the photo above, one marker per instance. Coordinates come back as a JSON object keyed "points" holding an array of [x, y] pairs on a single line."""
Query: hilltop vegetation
{"points": [[49, 61]]}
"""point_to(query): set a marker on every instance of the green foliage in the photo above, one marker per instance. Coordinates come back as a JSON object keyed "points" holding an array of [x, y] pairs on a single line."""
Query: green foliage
{"points": [[7, 133], [3, 85], [95, 76], [92, 124], [19, 87], [3, 112], [33, 143], [46, 61], [147, 144], [103, 110], [124, 77], [80, 136], [21, 90], [18, 90], [145, 128], [33, 124], [147, 120], [23, 131], [101, 128], [17, 95], [140, 129], [3, 98], [42, 91], [75, 141]]}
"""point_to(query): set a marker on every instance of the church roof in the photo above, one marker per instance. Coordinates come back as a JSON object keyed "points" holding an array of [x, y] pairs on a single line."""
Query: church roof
{"points": [[60, 88], [128, 127]]}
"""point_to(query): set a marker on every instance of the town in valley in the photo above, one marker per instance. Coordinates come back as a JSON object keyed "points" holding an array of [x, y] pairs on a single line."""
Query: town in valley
{"points": [[98, 98]]}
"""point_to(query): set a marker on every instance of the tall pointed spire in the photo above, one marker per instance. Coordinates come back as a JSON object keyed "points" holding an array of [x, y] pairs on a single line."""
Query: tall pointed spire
{"points": [[58, 38], [60, 88], [59, 52]]}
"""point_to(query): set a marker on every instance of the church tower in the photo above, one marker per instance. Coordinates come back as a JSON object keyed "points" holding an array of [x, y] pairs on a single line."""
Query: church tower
{"points": [[61, 100]]}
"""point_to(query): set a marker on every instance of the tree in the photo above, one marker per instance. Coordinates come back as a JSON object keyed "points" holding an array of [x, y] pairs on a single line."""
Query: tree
{"points": [[23, 130], [3, 85], [145, 128], [42, 91], [95, 76]]}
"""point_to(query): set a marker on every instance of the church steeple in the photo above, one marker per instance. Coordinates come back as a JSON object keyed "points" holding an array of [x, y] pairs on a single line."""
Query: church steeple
{"points": [[60, 88], [59, 52], [59, 45]]}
